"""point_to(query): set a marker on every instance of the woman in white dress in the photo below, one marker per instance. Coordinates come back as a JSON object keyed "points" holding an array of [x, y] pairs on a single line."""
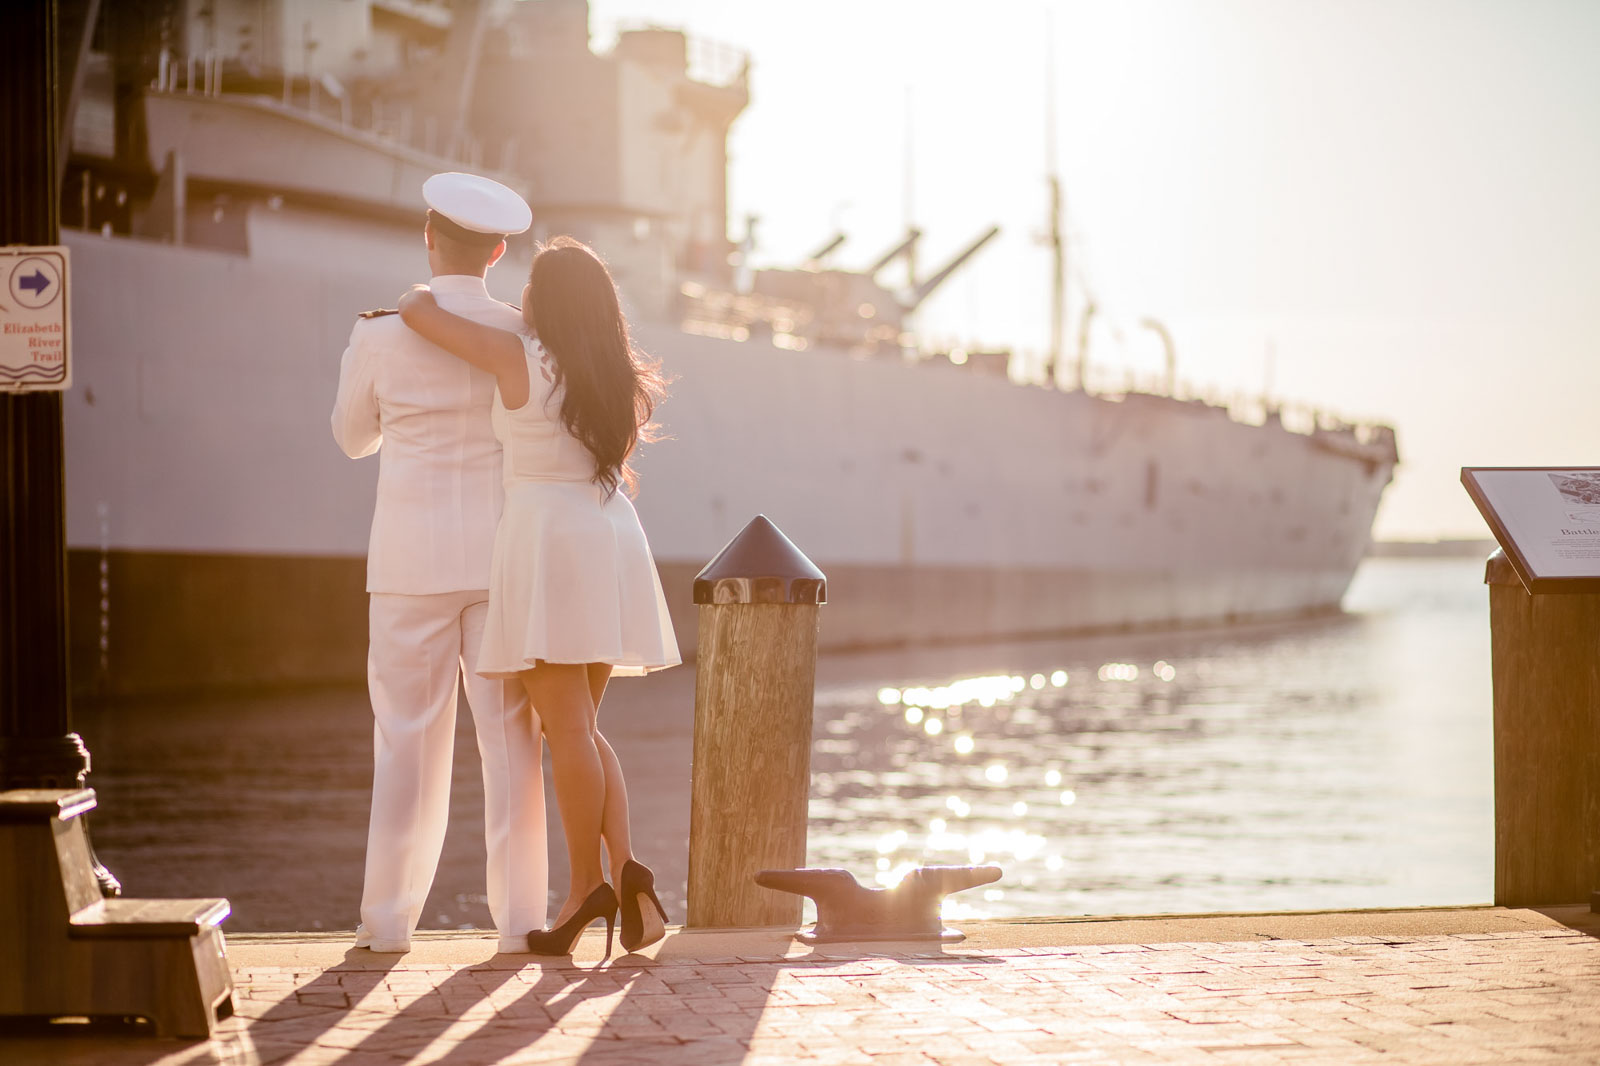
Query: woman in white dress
{"points": [[573, 593]]}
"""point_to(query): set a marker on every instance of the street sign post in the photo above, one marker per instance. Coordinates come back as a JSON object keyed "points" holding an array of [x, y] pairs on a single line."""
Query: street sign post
{"points": [[35, 323]]}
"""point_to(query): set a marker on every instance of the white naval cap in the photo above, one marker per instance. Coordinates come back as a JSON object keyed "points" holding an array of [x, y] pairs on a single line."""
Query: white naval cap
{"points": [[475, 203]]}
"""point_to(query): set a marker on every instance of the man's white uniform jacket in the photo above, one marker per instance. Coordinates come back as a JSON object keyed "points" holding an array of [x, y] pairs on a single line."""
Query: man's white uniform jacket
{"points": [[439, 490]]}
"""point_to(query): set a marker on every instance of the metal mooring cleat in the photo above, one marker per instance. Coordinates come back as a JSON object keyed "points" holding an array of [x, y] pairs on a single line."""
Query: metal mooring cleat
{"points": [[847, 910]]}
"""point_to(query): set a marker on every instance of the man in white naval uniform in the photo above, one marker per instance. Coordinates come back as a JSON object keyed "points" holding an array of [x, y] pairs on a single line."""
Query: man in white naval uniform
{"points": [[439, 499]]}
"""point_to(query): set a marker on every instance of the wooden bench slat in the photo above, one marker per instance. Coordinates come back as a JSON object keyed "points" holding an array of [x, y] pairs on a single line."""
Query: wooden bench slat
{"points": [[35, 804], [125, 918]]}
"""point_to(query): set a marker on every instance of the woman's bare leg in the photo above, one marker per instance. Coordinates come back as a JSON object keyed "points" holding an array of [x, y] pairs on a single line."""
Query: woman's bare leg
{"points": [[562, 696], [614, 824], [599, 674]]}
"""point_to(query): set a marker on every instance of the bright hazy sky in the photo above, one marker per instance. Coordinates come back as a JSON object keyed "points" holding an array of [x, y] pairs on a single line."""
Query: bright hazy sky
{"points": [[1399, 198]]}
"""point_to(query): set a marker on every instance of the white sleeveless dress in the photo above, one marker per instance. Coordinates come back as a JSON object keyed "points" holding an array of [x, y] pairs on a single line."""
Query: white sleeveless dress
{"points": [[571, 579]]}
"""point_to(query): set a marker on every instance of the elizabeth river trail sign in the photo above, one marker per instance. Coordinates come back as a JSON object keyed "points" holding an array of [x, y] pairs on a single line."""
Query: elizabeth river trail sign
{"points": [[34, 321]]}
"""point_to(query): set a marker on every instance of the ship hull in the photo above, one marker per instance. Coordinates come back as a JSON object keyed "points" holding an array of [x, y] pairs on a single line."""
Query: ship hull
{"points": [[181, 623], [217, 535]]}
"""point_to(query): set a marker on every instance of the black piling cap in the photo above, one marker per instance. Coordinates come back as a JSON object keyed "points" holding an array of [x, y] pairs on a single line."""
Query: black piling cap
{"points": [[760, 565]]}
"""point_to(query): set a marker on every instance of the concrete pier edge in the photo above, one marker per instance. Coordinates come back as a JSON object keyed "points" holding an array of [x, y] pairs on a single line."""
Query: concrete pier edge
{"points": [[320, 950]]}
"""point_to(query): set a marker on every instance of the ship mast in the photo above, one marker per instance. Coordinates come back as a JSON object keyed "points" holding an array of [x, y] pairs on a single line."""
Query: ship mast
{"points": [[472, 52], [1058, 250], [910, 249]]}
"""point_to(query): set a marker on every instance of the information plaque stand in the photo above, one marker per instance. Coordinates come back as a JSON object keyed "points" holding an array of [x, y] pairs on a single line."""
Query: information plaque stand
{"points": [[1547, 520], [1544, 621]]}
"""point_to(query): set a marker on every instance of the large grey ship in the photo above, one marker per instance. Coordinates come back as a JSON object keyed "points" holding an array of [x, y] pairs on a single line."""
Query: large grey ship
{"points": [[231, 158]]}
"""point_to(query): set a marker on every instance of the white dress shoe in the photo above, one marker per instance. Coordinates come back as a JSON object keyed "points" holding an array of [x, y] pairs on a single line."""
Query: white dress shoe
{"points": [[512, 945], [366, 940]]}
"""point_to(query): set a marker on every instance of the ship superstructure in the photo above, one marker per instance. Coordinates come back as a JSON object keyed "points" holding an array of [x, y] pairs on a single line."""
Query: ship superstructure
{"points": [[232, 158]]}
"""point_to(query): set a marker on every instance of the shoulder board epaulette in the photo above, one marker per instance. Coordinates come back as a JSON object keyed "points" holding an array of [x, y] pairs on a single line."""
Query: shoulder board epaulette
{"points": [[379, 312]]}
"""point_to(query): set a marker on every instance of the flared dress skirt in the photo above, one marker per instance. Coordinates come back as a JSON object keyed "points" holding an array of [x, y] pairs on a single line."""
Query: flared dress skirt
{"points": [[572, 581]]}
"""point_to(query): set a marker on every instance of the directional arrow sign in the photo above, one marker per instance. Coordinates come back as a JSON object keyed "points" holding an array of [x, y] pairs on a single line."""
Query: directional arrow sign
{"points": [[34, 319]]}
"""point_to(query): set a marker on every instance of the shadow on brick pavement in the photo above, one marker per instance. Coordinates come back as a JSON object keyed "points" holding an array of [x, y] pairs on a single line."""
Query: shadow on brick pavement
{"points": [[1505, 986]]}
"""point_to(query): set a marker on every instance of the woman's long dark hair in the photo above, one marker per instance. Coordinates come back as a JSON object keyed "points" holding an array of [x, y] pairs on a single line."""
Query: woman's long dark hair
{"points": [[611, 388]]}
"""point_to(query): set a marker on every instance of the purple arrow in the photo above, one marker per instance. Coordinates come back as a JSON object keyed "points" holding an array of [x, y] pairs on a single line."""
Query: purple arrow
{"points": [[36, 281]]}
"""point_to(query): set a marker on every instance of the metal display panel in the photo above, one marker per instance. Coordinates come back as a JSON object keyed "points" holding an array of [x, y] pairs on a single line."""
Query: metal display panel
{"points": [[1547, 520]]}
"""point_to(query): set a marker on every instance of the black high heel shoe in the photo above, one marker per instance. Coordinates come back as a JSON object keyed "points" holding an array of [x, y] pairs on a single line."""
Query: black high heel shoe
{"points": [[601, 903], [641, 925]]}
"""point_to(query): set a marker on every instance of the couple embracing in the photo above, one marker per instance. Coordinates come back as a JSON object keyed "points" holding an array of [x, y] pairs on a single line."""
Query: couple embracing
{"points": [[504, 552]]}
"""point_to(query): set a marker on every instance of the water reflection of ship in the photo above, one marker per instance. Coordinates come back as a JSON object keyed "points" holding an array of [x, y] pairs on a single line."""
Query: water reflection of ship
{"points": [[226, 158]]}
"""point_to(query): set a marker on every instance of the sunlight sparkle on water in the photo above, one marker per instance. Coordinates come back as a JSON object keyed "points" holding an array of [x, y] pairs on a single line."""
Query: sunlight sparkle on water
{"points": [[1013, 843], [984, 690], [1018, 843], [890, 878], [933, 726], [1158, 796], [954, 909]]}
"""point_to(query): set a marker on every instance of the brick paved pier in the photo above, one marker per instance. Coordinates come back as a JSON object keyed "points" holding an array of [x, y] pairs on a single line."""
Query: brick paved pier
{"points": [[1486, 985]]}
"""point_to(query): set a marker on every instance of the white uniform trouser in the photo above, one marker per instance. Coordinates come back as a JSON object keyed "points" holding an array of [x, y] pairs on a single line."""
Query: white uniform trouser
{"points": [[419, 646]]}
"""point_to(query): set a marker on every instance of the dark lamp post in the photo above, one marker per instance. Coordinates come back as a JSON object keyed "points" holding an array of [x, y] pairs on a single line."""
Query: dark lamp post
{"points": [[38, 748]]}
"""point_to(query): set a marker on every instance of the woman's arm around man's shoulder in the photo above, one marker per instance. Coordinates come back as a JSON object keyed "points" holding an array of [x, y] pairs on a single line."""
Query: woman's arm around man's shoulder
{"points": [[498, 351]]}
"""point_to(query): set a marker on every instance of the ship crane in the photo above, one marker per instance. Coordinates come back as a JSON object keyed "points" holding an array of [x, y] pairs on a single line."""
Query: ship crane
{"points": [[904, 248], [827, 249], [922, 291]]}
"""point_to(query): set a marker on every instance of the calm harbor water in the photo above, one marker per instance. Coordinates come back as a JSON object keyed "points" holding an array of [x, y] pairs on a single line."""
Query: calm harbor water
{"points": [[1339, 763]]}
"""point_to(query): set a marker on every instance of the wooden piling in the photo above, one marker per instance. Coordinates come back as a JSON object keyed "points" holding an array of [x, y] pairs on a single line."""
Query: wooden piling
{"points": [[755, 677], [1546, 652]]}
